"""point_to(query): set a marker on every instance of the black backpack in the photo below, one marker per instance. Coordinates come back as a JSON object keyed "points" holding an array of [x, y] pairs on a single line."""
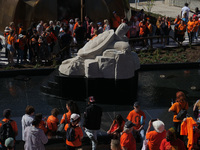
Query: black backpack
{"points": [[6, 131], [70, 134]]}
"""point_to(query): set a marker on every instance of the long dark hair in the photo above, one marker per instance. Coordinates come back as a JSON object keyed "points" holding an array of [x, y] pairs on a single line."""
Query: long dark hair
{"points": [[73, 107], [119, 119]]}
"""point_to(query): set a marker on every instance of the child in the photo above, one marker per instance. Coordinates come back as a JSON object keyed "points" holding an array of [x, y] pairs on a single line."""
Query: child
{"points": [[74, 133], [52, 122]]}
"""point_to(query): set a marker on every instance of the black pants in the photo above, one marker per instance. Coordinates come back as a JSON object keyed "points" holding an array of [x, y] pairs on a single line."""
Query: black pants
{"points": [[177, 126]]}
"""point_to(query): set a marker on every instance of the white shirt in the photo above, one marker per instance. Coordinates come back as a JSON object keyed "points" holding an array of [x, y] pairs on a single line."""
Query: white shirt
{"points": [[185, 9], [26, 121]]}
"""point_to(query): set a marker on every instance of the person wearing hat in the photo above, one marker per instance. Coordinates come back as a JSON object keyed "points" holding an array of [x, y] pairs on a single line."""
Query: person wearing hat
{"points": [[92, 121], [116, 20], [100, 28], [137, 116], [127, 141], [74, 123], [9, 143], [7, 119], [71, 25], [171, 142], [155, 137]]}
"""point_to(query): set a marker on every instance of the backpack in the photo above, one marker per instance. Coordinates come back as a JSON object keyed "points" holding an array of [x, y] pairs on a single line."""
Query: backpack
{"points": [[70, 134], [182, 113], [6, 131]]}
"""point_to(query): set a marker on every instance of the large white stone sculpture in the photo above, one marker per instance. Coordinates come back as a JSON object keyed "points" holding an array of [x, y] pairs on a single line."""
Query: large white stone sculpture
{"points": [[108, 55]]}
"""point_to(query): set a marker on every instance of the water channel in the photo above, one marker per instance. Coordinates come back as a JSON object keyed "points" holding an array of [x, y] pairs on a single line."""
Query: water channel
{"points": [[155, 91]]}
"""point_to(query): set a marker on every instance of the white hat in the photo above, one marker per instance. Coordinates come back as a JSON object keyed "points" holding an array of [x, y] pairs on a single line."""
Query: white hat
{"points": [[74, 117], [71, 20], [7, 29], [20, 36], [159, 126]]}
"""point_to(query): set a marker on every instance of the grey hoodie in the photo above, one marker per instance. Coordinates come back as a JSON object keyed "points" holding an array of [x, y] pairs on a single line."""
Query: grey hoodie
{"points": [[34, 138]]}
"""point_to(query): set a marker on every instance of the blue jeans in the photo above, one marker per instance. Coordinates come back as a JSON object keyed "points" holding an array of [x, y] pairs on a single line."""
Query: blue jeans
{"points": [[92, 134], [20, 55]]}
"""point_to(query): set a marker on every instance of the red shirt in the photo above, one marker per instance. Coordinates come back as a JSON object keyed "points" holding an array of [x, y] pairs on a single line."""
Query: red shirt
{"points": [[154, 139], [176, 145], [135, 118], [127, 140]]}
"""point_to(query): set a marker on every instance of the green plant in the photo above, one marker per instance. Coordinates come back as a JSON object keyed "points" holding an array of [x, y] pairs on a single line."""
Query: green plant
{"points": [[149, 5], [37, 66]]}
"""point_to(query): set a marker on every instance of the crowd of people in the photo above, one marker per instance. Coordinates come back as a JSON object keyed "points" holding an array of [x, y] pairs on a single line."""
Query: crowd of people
{"points": [[40, 40], [124, 134]]}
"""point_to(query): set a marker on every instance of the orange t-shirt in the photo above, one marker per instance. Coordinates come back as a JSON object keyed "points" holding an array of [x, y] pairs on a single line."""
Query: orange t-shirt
{"points": [[116, 21], [11, 39], [78, 137], [128, 141], [175, 145], [177, 22], [42, 126], [93, 37], [142, 28], [135, 118], [181, 29], [176, 108], [52, 123], [196, 26], [66, 116], [13, 124], [190, 26], [154, 139], [75, 26]]}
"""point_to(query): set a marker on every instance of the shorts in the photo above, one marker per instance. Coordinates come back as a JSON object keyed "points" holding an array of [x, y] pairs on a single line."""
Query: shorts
{"points": [[10, 48]]}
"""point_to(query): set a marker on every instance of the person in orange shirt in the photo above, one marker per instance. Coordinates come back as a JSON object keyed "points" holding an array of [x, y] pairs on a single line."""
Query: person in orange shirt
{"points": [[11, 47], [52, 122], [116, 20], [95, 34], [155, 137], [7, 118], [190, 29], [180, 103], [117, 126], [71, 108], [20, 51], [73, 141], [75, 25], [196, 28], [127, 140], [181, 31], [171, 142], [177, 21], [137, 116], [143, 31], [43, 122]]}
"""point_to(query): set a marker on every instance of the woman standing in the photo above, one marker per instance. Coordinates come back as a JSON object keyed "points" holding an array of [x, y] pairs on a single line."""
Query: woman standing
{"points": [[34, 136], [11, 47]]}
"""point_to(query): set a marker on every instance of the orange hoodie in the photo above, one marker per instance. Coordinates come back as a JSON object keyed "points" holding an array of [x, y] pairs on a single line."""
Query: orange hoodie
{"points": [[187, 129]]}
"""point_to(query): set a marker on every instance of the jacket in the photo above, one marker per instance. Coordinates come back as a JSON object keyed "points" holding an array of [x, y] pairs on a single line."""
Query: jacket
{"points": [[26, 121], [34, 138], [92, 117]]}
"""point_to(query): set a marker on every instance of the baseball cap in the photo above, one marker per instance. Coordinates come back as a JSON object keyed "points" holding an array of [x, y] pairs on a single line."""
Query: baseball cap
{"points": [[71, 20], [9, 142], [91, 99], [114, 12], [129, 124], [74, 117], [99, 23]]}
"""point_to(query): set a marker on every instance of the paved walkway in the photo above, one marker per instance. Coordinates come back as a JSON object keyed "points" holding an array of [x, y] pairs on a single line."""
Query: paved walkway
{"points": [[160, 8]]}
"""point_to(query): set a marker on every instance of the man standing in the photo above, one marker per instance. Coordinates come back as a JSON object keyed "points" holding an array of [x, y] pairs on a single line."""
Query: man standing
{"points": [[185, 9], [137, 117], [92, 121], [116, 20]]}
